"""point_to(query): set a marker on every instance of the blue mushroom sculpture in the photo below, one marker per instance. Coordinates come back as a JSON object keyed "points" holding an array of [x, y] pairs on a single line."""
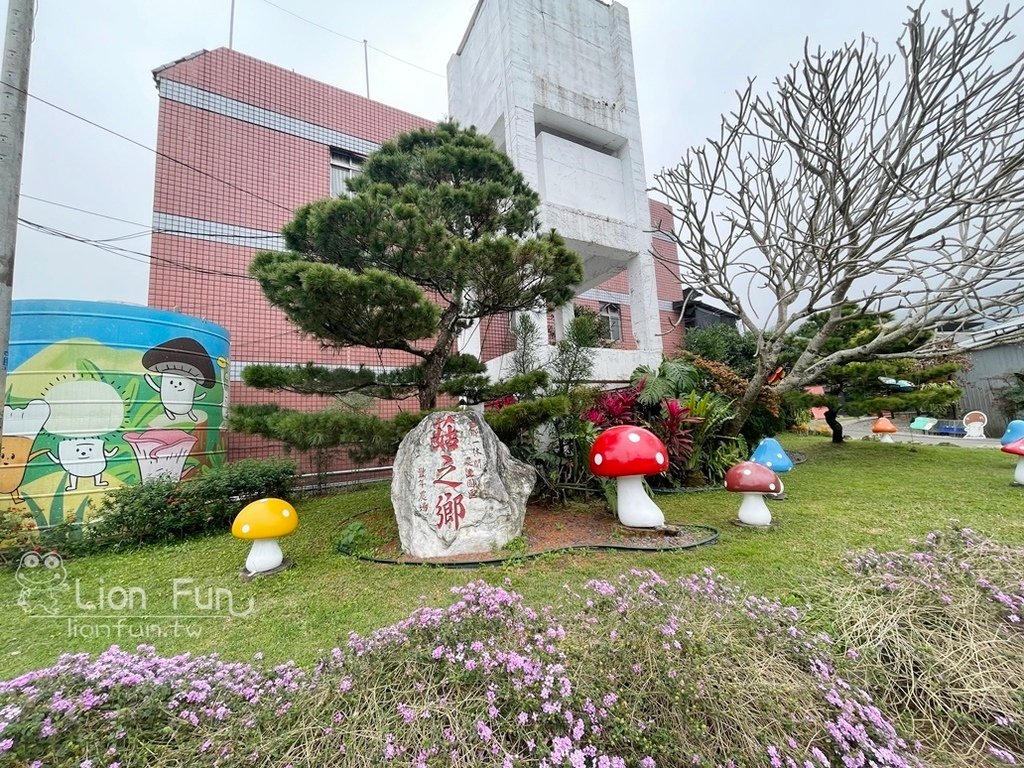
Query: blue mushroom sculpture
{"points": [[1014, 432], [770, 454]]}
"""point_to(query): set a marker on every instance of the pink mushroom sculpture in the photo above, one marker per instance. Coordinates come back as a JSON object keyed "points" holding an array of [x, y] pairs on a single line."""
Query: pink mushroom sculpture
{"points": [[753, 480], [627, 453]]}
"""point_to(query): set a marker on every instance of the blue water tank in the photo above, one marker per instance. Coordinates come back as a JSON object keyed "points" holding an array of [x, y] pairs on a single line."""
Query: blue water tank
{"points": [[101, 395]]}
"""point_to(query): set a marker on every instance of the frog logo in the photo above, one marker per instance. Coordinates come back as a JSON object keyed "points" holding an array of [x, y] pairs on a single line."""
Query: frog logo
{"points": [[41, 577]]}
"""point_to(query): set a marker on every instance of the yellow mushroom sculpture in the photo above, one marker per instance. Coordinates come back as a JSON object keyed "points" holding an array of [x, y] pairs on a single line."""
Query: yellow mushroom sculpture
{"points": [[263, 522]]}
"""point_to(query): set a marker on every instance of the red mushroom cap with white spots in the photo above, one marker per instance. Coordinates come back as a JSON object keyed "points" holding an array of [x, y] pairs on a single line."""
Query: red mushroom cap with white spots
{"points": [[625, 451], [751, 477], [1016, 447]]}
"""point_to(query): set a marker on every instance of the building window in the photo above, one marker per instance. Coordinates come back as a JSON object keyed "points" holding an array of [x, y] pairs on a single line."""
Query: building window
{"points": [[344, 165], [611, 322]]}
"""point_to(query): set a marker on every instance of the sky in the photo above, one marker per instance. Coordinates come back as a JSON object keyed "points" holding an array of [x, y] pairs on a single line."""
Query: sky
{"points": [[94, 59]]}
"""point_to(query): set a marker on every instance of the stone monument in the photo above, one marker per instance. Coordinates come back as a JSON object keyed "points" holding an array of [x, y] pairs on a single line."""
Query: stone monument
{"points": [[456, 488]]}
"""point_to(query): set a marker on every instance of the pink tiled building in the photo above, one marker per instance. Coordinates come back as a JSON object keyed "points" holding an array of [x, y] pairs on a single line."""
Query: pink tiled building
{"points": [[242, 144]]}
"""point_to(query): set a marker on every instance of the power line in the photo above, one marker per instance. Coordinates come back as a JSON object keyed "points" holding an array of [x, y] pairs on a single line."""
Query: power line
{"points": [[156, 152], [82, 210], [149, 230], [355, 40], [129, 254]]}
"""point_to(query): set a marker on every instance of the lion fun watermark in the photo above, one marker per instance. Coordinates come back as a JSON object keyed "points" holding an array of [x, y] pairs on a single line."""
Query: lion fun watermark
{"points": [[121, 611]]}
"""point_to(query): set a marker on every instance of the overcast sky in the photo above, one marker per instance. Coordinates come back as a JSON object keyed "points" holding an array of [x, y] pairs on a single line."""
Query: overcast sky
{"points": [[94, 58]]}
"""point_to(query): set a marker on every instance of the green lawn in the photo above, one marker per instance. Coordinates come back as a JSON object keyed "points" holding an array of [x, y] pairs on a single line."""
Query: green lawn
{"points": [[858, 495]]}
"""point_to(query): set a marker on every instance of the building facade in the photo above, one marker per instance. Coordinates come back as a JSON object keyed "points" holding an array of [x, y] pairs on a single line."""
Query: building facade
{"points": [[242, 143]]}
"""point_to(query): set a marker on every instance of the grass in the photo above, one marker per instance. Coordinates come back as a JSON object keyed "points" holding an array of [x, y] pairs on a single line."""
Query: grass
{"points": [[861, 494]]}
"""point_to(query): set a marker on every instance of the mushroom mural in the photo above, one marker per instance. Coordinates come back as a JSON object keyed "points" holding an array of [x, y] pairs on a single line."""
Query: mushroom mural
{"points": [[1014, 431], [627, 453], [182, 364], [82, 411], [885, 429], [21, 427], [753, 480], [263, 522], [1017, 449], [161, 452]]}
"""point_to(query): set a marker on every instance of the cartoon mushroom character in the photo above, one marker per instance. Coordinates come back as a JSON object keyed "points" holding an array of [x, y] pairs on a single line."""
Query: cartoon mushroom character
{"points": [[1017, 449], [21, 428], [161, 452], [627, 453], [263, 522], [974, 425], [182, 364], [82, 411], [885, 428], [753, 480]]}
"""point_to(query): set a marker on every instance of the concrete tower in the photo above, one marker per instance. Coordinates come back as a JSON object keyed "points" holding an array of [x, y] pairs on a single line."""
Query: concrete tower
{"points": [[552, 82]]}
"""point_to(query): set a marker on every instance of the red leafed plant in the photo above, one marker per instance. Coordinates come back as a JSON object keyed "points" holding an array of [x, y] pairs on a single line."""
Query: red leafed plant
{"points": [[670, 420], [614, 408]]}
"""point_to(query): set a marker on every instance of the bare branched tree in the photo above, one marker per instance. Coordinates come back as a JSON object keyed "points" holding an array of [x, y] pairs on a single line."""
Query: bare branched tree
{"points": [[893, 182]]}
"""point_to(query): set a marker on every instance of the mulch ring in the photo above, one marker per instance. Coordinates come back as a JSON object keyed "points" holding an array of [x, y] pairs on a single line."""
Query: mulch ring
{"points": [[553, 530]]}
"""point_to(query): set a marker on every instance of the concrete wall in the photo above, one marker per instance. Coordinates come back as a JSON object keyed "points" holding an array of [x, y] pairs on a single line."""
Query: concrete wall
{"points": [[552, 81], [577, 176], [991, 370]]}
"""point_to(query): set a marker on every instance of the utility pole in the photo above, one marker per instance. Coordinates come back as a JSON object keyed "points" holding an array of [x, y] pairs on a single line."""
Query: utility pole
{"points": [[13, 104], [366, 65]]}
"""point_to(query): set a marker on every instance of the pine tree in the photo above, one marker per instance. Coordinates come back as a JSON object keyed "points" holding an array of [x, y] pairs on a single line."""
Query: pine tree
{"points": [[887, 382], [439, 230]]}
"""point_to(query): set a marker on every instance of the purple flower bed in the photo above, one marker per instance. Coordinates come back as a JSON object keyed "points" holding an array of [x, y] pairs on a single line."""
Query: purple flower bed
{"points": [[635, 671], [937, 633]]}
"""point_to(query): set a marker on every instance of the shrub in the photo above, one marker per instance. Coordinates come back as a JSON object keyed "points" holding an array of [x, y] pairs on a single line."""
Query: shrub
{"points": [[722, 343], [17, 531], [637, 672], [161, 511], [938, 633]]}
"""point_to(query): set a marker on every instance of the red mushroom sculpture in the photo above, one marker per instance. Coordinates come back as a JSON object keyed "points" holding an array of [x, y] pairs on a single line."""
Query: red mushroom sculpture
{"points": [[1017, 449], [627, 453], [753, 480]]}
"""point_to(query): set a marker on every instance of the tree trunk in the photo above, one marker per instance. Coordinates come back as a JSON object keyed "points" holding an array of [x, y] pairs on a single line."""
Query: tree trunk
{"points": [[433, 363], [745, 405], [433, 367], [833, 423]]}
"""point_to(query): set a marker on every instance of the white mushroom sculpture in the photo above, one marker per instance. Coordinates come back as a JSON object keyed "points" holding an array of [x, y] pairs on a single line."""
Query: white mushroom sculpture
{"points": [[263, 522], [753, 480], [627, 453]]}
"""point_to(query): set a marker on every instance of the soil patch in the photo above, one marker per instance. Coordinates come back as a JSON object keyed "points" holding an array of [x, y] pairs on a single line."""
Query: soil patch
{"points": [[551, 530]]}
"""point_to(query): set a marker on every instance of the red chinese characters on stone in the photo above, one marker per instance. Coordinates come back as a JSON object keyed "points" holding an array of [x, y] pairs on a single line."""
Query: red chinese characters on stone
{"points": [[445, 437], [447, 467], [450, 510], [450, 507]]}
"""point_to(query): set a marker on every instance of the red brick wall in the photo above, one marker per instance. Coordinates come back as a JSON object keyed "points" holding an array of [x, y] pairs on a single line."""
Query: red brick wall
{"points": [[216, 168]]}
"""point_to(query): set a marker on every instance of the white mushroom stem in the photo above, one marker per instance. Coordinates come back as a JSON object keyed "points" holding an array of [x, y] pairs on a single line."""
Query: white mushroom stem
{"points": [[1018, 472], [635, 507], [265, 555], [886, 438], [753, 510]]}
